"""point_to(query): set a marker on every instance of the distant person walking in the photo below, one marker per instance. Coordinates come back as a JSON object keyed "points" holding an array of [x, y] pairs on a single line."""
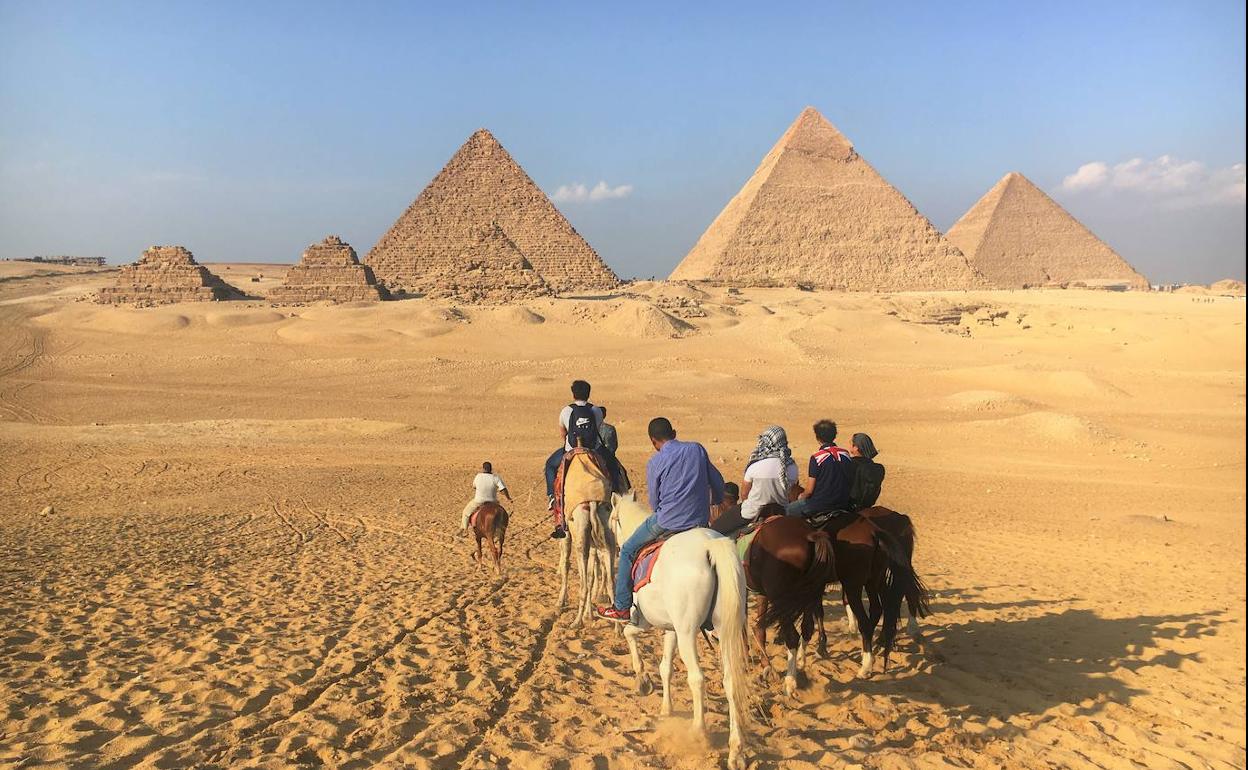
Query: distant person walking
{"points": [[485, 485]]}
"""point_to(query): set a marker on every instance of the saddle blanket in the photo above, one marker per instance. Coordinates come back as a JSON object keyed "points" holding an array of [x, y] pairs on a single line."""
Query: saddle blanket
{"points": [[643, 565]]}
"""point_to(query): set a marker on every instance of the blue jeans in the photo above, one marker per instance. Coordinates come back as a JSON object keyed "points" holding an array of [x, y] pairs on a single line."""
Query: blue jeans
{"points": [[552, 470], [648, 532], [798, 508]]}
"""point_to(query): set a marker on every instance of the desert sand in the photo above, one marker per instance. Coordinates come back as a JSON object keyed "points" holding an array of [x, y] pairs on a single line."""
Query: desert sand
{"points": [[228, 528]]}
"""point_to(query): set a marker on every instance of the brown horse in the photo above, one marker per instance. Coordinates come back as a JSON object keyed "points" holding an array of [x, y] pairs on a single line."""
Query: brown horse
{"points": [[789, 563], [873, 550], [489, 525]]}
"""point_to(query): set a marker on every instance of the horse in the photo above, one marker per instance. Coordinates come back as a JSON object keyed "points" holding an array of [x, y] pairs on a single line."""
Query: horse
{"points": [[873, 554], [489, 525], [697, 580], [586, 490], [789, 563]]}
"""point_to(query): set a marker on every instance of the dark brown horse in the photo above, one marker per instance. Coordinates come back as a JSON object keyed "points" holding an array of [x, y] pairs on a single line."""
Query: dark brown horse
{"points": [[789, 563], [873, 550], [489, 525]]}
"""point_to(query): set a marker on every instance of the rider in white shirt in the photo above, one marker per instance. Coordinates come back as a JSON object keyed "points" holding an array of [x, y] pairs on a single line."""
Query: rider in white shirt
{"points": [[486, 486]]}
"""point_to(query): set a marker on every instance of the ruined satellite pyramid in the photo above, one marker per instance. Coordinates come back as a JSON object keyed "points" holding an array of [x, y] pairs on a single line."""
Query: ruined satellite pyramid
{"points": [[489, 270], [1017, 236], [331, 271], [479, 188], [166, 274], [816, 213]]}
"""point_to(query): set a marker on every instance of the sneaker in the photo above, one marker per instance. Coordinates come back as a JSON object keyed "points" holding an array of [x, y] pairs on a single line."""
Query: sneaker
{"points": [[558, 534], [611, 613]]}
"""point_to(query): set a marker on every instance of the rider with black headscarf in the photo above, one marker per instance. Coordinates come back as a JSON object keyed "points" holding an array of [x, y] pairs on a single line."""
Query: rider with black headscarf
{"points": [[866, 476]]}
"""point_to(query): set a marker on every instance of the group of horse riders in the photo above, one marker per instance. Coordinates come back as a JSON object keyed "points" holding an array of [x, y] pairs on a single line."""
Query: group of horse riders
{"points": [[684, 484]]}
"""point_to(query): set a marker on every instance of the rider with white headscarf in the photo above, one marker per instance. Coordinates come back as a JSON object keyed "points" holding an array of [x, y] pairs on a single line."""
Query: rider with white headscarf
{"points": [[769, 475]]}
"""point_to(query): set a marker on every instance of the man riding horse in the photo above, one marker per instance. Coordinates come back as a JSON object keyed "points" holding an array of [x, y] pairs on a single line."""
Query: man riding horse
{"points": [[828, 483], [683, 484]]}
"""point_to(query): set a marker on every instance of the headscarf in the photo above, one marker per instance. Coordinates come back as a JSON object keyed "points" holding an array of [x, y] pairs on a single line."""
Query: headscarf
{"points": [[866, 447], [772, 442]]}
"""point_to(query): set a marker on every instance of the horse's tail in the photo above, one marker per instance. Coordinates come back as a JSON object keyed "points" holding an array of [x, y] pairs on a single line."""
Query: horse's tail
{"points": [[730, 609], [902, 583]]}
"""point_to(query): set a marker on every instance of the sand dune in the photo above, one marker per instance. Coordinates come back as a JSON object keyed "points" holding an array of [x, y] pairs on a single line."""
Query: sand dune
{"points": [[228, 527]]}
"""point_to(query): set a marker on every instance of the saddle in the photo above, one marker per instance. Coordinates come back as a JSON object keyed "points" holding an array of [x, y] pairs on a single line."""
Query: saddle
{"points": [[594, 484], [472, 517], [643, 565]]}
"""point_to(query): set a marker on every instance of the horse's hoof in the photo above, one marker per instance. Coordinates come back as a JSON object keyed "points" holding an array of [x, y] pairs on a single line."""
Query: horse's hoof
{"points": [[790, 686], [645, 686], [665, 710], [735, 760]]}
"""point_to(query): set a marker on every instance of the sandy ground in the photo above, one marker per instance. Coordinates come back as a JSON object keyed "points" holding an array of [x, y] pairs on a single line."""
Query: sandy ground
{"points": [[251, 560]]}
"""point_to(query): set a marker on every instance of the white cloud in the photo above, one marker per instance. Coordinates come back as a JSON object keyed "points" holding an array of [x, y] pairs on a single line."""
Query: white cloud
{"points": [[579, 193], [1171, 182]]}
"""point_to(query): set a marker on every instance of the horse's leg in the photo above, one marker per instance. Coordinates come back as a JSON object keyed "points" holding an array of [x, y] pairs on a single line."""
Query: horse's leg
{"points": [[823, 632], [760, 638], [860, 614], [789, 635], [477, 558], [502, 537], [565, 556], [665, 672], [495, 553], [851, 623], [808, 631], [687, 643], [631, 633]]}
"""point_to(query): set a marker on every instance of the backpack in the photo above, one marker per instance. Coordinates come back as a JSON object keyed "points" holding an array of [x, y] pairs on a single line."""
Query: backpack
{"points": [[583, 427]]}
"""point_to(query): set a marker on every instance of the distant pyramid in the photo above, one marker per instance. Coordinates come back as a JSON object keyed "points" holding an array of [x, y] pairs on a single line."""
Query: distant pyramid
{"points": [[482, 185], [166, 274], [490, 270], [816, 213], [329, 270], [1017, 236]]}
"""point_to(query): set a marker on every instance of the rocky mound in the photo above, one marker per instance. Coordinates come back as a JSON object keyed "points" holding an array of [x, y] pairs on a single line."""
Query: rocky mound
{"points": [[491, 271]]}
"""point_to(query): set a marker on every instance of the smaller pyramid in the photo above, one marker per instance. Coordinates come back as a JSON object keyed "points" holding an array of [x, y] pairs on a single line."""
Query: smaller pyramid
{"points": [[1016, 236], [329, 270], [166, 274], [491, 270]]}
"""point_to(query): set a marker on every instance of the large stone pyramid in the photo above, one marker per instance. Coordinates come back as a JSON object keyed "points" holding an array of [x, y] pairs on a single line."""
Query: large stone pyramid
{"points": [[490, 270], [329, 270], [166, 274], [1017, 236], [816, 213], [479, 187]]}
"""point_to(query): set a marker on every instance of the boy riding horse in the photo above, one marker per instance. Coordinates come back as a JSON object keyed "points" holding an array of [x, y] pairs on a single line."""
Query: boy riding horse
{"points": [[580, 425], [683, 484]]}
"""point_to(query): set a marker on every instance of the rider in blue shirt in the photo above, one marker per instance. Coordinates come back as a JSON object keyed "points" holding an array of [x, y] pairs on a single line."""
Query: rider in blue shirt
{"points": [[683, 483]]}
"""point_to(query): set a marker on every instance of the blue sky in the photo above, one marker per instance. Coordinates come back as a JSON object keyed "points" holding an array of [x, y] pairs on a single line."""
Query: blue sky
{"points": [[246, 131]]}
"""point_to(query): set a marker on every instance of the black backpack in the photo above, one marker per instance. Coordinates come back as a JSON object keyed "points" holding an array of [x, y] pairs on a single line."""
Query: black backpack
{"points": [[583, 427]]}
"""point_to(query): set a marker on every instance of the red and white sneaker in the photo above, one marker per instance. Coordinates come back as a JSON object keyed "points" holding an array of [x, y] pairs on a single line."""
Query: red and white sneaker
{"points": [[611, 613]]}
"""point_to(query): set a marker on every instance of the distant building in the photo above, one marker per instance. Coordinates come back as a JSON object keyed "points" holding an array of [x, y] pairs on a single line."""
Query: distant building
{"points": [[72, 261]]}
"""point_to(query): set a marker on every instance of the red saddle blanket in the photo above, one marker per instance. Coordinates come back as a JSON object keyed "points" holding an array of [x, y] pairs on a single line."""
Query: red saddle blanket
{"points": [[643, 565]]}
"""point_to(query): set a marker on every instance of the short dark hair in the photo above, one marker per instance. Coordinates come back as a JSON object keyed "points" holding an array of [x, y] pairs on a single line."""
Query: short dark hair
{"points": [[825, 431], [487, 467], [732, 490], [580, 390], [660, 429], [604, 410]]}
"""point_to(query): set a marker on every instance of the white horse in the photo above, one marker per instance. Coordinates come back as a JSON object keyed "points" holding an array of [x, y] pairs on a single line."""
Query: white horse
{"points": [[586, 520], [697, 580]]}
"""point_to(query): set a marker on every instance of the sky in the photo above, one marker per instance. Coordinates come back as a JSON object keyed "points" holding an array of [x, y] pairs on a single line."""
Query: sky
{"points": [[246, 131]]}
